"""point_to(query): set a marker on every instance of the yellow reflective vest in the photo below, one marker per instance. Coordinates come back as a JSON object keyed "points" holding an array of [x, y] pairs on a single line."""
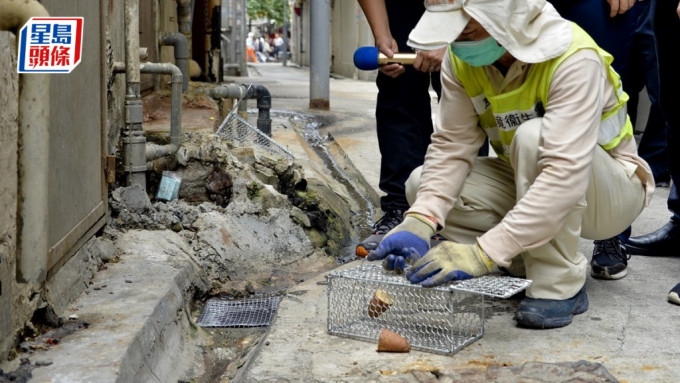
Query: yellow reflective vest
{"points": [[501, 114]]}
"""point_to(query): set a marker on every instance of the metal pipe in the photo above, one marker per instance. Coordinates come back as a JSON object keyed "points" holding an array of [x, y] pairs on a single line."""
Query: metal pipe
{"points": [[259, 92], [319, 67], [179, 42], [156, 151], [264, 105], [240, 38], [132, 76], [33, 158], [134, 142], [184, 21], [284, 56], [117, 68], [232, 91]]}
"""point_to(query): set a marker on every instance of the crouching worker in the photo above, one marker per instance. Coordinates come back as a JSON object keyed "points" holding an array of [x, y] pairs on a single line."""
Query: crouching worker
{"points": [[546, 96]]}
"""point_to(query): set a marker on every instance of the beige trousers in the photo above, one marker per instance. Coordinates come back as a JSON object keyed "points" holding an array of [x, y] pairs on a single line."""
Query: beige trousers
{"points": [[615, 197]]}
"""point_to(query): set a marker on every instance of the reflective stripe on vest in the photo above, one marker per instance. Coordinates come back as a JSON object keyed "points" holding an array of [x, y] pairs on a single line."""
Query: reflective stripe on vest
{"points": [[501, 114]]}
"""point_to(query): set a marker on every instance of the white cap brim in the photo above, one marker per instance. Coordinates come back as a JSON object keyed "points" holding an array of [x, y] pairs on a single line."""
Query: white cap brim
{"points": [[531, 30], [437, 29]]}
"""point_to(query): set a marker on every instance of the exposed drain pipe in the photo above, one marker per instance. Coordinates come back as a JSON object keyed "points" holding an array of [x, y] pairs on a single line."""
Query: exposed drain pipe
{"points": [[154, 151], [179, 42], [33, 159], [134, 141], [264, 101], [184, 21]]}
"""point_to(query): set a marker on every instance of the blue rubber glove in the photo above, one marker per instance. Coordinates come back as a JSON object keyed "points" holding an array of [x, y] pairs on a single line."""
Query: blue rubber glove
{"points": [[448, 262], [406, 243]]}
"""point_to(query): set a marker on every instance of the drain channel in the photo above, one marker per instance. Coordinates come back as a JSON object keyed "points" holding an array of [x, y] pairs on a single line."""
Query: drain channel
{"points": [[309, 128]]}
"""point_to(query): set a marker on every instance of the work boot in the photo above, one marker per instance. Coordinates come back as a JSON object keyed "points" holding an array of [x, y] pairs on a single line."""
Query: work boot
{"points": [[388, 221], [550, 313], [610, 259]]}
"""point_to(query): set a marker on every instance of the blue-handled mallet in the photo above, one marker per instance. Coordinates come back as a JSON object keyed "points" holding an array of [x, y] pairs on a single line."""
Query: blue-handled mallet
{"points": [[370, 58]]}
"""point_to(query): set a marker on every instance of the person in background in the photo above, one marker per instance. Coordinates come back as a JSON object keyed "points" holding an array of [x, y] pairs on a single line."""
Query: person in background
{"points": [[250, 48], [278, 46], [403, 114], [555, 113], [666, 240]]}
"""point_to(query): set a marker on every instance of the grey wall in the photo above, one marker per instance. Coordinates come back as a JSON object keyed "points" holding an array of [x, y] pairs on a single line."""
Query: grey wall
{"points": [[77, 192], [8, 184]]}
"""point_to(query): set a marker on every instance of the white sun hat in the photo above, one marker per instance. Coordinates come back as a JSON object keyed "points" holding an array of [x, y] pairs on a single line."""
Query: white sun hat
{"points": [[531, 30]]}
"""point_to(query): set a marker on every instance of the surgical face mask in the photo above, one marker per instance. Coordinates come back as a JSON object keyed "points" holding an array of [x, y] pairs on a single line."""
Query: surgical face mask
{"points": [[478, 53]]}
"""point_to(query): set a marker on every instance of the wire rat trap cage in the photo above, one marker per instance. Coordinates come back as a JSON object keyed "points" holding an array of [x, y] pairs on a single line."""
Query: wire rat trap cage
{"points": [[365, 299], [243, 134]]}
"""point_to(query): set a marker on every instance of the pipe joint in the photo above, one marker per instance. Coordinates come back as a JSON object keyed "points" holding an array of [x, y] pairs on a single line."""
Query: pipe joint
{"points": [[181, 49], [259, 92], [152, 151], [179, 41], [134, 113]]}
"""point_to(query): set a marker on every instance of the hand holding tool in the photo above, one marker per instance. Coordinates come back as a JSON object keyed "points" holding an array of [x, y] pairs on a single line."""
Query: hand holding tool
{"points": [[370, 58]]}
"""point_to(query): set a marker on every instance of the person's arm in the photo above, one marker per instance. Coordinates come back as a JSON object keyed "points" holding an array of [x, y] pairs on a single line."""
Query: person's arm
{"points": [[568, 138], [450, 156], [678, 10], [376, 14]]}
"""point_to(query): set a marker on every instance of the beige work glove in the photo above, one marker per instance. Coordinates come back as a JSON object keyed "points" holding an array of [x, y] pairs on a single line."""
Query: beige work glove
{"points": [[450, 261]]}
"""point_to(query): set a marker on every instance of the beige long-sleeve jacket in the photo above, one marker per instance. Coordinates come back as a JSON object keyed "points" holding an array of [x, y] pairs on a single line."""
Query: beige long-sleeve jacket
{"points": [[578, 94]]}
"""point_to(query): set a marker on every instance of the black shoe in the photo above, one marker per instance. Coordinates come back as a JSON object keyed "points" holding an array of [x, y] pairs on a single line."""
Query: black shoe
{"points": [[662, 242], [674, 295], [388, 221], [550, 313], [610, 259], [663, 181]]}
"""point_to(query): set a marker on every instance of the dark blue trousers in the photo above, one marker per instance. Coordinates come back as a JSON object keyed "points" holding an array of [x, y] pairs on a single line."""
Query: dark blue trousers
{"points": [[644, 72], [667, 32], [403, 113]]}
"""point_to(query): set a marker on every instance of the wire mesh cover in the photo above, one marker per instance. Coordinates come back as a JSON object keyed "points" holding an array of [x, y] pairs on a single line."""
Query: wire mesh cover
{"points": [[241, 133], [254, 312], [365, 299]]}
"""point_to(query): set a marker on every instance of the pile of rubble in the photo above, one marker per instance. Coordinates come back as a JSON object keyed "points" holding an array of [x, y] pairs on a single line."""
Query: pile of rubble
{"points": [[254, 222]]}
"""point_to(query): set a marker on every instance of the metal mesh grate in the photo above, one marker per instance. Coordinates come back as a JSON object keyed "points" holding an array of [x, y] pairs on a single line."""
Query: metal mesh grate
{"points": [[254, 312], [495, 286], [365, 299], [241, 133]]}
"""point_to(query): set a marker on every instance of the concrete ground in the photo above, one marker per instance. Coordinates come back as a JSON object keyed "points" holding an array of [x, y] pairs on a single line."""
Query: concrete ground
{"points": [[629, 327], [140, 327]]}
